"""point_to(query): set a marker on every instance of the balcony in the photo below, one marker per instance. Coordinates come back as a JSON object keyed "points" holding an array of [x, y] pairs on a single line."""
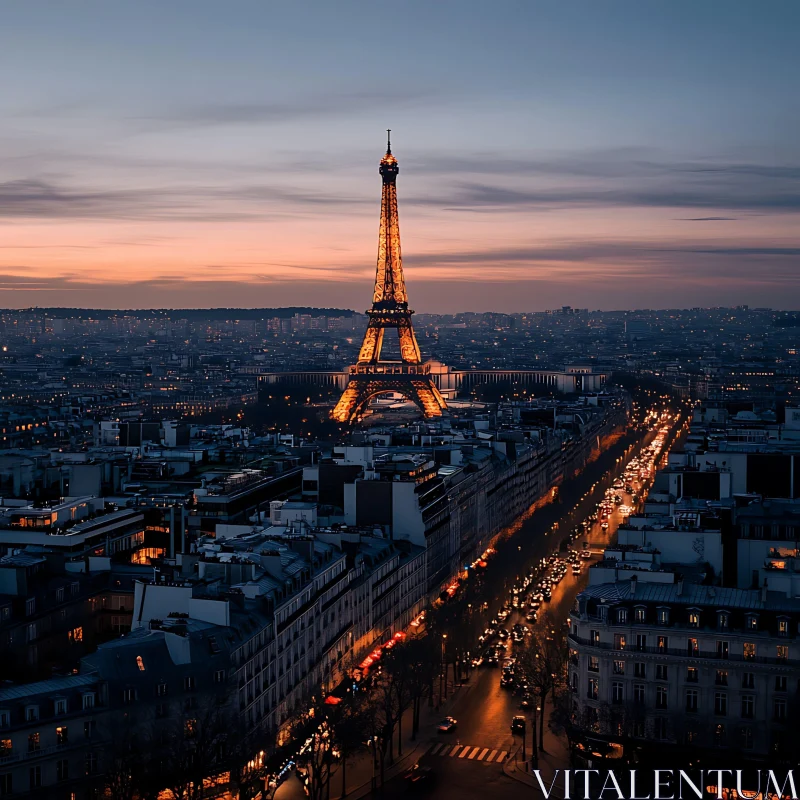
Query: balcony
{"points": [[682, 652]]}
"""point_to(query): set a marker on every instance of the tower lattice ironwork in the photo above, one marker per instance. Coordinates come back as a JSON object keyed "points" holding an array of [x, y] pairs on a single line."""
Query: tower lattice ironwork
{"points": [[372, 376]]}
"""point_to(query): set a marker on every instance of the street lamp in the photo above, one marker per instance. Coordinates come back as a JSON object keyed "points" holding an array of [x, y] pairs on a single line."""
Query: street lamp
{"points": [[443, 676]]}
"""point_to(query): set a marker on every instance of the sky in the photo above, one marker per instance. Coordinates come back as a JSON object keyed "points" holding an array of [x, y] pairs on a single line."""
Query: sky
{"points": [[595, 154]]}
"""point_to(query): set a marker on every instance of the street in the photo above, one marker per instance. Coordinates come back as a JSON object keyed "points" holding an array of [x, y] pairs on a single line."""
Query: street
{"points": [[470, 758]]}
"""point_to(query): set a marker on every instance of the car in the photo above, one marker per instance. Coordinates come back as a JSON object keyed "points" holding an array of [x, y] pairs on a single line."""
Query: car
{"points": [[477, 661], [418, 775], [507, 681], [518, 724], [447, 725]]}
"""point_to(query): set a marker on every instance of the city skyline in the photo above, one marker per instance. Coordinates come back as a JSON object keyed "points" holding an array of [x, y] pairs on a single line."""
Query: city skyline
{"points": [[552, 154]]}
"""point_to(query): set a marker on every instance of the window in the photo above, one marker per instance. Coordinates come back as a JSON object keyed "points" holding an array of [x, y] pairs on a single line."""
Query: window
{"points": [[720, 735], [660, 728], [661, 697], [188, 683], [622, 615], [751, 622], [33, 742], [691, 674], [3, 719], [723, 620], [720, 704], [76, 634], [641, 642], [782, 652], [62, 735], [694, 619], [638, 693], [662, 643], [619, 667], [62, 769], [31, 713], [619, 641], [161, 689], [691, 699], [30, 606], [190, 728], [219, 676], [6, 784], [32, 632], [594, 637], [783, 627], [639, 614], [617, 691], [748, 680], [91, 764], [35, 777], [88, 729], [661, 672], [140, 663], [88, 700], [594, 688], [5, 748], [663, 616], [748, 651], [60, 706], [722, 649], [640, 669], [161, 710], [594, 664], [780, 683], [748, 706], [60, 594], [746, 735], [692, 647], [128, 696], [721, 677], [779, 709]]}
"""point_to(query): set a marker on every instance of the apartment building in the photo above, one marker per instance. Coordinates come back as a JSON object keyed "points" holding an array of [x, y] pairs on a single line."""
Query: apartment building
{"points": [[687, 665]]}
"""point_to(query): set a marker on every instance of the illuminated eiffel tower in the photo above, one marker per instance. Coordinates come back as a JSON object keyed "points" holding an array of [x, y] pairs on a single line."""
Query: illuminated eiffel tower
{"points": [[372, 376]]}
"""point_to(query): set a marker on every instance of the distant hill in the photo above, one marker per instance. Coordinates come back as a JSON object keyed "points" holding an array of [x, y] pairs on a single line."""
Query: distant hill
{"points": [[184, 313]]}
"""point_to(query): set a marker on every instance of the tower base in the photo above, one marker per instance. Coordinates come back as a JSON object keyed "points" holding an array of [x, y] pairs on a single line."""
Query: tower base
{"points": [[420, 390]]}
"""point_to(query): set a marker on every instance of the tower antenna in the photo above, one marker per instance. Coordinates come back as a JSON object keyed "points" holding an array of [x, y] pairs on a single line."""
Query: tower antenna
{"points": [[388, 140]]}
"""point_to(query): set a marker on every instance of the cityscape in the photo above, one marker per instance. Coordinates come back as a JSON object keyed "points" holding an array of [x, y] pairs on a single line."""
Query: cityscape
{"points": [[286, 547]]}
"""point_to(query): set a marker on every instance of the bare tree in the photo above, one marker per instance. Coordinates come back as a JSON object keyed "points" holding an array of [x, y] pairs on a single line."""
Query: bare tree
{"points": [[542, 660]]}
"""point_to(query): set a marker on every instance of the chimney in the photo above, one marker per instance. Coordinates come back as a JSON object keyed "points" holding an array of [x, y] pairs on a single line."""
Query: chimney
{"points": [[634, 581], [764, 592], [680, 587]]}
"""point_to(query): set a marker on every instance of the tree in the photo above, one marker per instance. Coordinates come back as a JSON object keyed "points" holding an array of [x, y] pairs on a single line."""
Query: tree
{"points": [[542, 660], [348, 721]]}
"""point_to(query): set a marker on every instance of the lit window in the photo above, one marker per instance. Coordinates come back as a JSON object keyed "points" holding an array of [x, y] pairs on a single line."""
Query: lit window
{"points": [[140, 663]]}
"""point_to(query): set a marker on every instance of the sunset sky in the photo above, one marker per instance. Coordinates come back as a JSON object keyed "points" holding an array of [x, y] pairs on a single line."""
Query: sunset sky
{"points": [[595, 154]]}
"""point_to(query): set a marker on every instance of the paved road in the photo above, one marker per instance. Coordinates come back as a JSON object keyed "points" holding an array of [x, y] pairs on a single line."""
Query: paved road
{"points": [[468, 761]]}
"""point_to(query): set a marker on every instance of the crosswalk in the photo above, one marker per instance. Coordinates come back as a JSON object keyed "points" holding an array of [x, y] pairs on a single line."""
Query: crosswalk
{"points": [[469, 752]]}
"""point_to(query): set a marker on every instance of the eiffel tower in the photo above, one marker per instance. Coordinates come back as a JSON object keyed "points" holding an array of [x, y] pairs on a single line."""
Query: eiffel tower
{"points": [[372, 376]]}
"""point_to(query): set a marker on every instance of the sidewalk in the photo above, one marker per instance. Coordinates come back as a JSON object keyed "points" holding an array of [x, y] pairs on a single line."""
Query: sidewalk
{"points": [[359, 769], [555, 756]]}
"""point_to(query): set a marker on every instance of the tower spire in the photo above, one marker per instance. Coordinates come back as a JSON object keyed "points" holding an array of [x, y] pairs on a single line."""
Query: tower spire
{"points": [[389, 140]]}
